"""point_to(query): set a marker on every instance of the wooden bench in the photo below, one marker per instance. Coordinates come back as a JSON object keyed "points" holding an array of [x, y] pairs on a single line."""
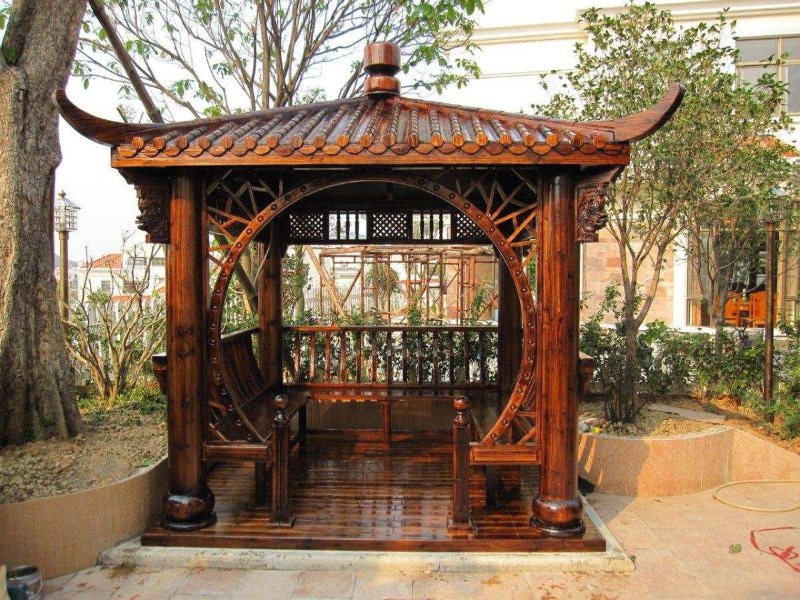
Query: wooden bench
{"points": [[384, 396], [267, 440], [386, 364]]}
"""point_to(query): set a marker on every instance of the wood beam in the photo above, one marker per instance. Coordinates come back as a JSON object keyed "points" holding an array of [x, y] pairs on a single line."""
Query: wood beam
{"points": [[269, 309], [509, 334], [326, 282]]}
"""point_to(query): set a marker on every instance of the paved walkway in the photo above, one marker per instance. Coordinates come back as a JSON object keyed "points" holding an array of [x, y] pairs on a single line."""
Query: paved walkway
{"points": [[685, 547]]}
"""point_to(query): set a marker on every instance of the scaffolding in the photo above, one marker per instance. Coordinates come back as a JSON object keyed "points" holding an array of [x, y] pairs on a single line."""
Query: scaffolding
{"points": [[404, 284]]}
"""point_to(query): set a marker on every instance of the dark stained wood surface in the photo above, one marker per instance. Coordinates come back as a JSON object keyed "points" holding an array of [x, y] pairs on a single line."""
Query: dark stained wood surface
{"points": [[557, 507], [373, 130], [349, 492], [188, 504]]}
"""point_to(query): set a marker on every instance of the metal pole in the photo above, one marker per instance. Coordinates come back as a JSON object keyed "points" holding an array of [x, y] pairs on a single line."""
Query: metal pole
{"points": [[769, 319], [63, 237]]}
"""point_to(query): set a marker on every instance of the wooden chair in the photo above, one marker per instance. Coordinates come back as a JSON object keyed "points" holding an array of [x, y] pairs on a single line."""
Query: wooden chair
{"points": [[758, 308], [472, 423]]}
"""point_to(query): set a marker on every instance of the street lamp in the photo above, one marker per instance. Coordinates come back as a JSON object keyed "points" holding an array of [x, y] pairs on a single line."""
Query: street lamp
{"points": [[65, 219], [772, 214]]}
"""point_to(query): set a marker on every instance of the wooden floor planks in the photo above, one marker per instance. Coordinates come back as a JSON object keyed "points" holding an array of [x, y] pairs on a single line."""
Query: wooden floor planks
{"points": [[350, 493]]}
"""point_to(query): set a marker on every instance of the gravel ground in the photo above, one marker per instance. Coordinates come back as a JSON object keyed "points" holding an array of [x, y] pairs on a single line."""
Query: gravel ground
{"points": [[113, 446]]}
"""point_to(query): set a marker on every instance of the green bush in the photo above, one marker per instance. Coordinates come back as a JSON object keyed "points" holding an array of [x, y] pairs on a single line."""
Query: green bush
{"points": [[727, 363], [145, 399], [786, 404], [670, 361]]}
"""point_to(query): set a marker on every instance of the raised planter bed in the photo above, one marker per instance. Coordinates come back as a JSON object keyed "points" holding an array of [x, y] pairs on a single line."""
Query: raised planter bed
{"points": [[680, 464], [65, 533]]}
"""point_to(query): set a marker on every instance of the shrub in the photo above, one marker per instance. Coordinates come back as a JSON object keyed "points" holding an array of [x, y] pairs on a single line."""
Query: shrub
{"points": [[786, 404], [728, 364], [145, 399]]}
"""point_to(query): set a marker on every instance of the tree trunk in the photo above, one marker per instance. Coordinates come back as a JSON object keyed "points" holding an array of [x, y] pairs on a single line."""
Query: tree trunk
{"points": [[629, 386], [36, 394]]}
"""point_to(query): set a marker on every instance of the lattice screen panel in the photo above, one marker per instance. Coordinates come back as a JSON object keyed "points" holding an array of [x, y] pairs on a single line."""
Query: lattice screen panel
{"points": [[308, 226], [390, 226], [429, 226], [465, 228]]}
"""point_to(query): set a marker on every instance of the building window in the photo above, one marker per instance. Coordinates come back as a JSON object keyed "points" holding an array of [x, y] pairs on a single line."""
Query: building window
{"points": [[756, 55], [105, 285]]}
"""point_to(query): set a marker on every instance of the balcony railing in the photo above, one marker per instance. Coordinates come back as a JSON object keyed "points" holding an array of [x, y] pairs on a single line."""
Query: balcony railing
{"points": [[397, 356]]}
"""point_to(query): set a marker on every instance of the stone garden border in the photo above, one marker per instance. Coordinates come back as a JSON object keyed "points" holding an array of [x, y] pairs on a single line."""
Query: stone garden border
{"points": [[680, 464], [63, 534]]}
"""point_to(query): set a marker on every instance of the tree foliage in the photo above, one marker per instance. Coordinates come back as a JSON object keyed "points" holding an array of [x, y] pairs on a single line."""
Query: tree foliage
{"points": [[113, 334], [697, 171], [211, 57]]}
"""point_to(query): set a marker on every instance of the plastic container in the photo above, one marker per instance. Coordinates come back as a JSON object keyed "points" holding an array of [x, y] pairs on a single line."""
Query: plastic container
{"points": [[24, 583]]}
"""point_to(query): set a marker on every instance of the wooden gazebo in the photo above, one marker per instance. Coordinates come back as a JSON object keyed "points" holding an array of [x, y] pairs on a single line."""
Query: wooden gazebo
{"points": [[366, 170]]}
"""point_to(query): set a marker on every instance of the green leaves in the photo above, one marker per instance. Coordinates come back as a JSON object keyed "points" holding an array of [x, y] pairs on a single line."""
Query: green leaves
{"points": [[233, 54], [706, 175]]}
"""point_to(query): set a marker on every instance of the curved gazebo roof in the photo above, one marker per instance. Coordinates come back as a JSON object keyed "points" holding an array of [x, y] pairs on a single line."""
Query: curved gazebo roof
{"points": [[380, 127]]}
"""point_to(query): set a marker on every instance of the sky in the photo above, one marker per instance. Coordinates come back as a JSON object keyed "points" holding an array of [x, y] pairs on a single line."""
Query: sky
{"points": [[108, 203]]}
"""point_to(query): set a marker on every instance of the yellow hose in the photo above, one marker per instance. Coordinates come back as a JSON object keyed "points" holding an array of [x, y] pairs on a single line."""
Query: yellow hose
{"points": [[756, 508]]}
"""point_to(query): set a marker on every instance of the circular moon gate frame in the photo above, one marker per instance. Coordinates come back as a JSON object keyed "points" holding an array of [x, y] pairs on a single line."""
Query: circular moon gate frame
{"points": [[522, 395]]}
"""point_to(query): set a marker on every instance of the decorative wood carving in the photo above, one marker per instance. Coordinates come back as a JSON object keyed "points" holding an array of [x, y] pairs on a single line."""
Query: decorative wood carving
{"points": [[501, 204], [591, 213], [153, 198], [590, 205]]}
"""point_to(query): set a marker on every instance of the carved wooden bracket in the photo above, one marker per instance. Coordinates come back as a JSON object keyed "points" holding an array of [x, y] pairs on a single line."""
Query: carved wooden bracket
{"points": [[591, 213], [154, 210], [152, 193], [590, 206]]}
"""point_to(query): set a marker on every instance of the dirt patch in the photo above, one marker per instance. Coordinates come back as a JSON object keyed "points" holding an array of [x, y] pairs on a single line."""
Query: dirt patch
{"points": [[743, 418], [647, 423], [114, 445]]}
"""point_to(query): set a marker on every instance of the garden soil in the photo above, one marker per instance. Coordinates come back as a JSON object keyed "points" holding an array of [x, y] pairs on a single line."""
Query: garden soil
{"points": [[114, 445]]}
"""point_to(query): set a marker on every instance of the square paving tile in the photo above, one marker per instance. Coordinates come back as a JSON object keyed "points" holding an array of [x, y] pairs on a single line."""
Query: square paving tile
{"points": [[382, 585], [475, 586], [211, 582], [325, 584], [97, 582], [261, 584], [151, 584]]}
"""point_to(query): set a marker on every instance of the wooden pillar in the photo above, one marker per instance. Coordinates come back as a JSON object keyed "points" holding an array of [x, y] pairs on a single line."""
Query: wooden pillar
{"points": [[188, 504], [269, 310], [460, 523], [509, 333], [557, 508], [281, 516]]}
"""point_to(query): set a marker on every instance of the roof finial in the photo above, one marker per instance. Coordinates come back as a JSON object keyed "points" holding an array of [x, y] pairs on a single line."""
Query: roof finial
{"points": [[381, 62]]}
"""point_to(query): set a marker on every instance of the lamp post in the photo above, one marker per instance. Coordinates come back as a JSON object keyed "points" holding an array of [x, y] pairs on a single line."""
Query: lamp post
{"points": [[65, 219]]}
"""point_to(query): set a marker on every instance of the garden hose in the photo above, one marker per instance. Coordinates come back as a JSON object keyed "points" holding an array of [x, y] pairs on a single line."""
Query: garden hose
{"points": [[756, 508]]}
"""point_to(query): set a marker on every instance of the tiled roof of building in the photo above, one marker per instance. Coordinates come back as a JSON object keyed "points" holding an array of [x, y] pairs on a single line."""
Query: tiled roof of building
{"points": [[108, 261]]}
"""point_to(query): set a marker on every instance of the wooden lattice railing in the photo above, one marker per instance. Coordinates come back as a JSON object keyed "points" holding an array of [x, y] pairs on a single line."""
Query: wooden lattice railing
{"points": [[445, 357]]}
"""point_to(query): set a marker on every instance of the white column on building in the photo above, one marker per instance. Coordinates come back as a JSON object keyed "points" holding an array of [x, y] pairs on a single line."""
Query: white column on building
{"points": [[680, 284]]}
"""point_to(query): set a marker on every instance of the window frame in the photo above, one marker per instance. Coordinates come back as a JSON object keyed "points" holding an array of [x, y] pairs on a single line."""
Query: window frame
{"points": [[782, 70]]}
